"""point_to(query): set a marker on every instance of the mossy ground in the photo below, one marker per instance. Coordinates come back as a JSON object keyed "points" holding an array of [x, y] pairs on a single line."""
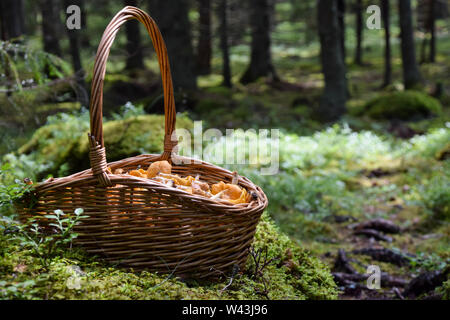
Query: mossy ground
{"points": [[293, 274]]}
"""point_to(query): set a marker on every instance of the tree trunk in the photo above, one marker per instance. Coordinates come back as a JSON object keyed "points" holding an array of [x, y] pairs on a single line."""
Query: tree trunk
{"points": [[226, 70], [432, 56], [411, 73], [341, 19], [332, 102], [12, 19], [204, 48], [423, 50], [385, 12], [51, 24], [31, 9], [135, 59], [84, 40], [359, 32], [260, 57], [172, 19]]}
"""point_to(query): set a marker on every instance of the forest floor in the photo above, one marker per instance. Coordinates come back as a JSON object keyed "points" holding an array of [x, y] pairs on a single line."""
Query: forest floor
{"points": [[385, 217], [356, 193], [391, 233]]}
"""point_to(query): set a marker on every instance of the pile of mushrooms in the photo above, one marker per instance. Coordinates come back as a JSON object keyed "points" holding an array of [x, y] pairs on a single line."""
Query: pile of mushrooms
{"points": [[161, 171]]}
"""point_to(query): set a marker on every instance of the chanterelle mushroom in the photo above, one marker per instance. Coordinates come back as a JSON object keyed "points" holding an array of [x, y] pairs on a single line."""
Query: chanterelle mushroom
{"points": [[158, 167]]}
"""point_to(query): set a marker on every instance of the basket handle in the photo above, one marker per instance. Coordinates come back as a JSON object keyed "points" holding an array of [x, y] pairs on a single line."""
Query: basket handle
{"points": [[97, 153]]}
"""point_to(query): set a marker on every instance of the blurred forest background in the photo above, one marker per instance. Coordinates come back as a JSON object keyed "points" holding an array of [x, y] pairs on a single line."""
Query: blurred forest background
{"points": [[364, 114]]}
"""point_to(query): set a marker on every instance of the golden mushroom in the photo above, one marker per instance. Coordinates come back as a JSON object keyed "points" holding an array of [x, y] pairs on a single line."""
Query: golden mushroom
{"points": [[158, 167]]}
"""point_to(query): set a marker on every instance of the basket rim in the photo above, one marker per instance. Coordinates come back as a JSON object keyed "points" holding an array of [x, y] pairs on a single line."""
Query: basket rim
{"points": [[138, 182]]}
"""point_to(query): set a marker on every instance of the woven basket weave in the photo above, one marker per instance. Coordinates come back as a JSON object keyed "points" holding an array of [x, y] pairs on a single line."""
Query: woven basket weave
{"points": [[141, 223]]}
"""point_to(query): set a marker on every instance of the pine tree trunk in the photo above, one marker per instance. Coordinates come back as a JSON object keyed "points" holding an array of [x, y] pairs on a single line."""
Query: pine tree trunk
{"points": [[359, 32], [171, 16], [31, 8], [135, 59], [226, 69], [385, 13], [341, 19], [411, 73], [51, 24], [432, 56], [85, 41], [12, 19], [204, 49], [423, 50], [260, 57], [332, 102]]}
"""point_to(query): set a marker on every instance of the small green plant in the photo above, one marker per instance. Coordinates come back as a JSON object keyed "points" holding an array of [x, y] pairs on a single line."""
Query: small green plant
{"points": [[128, 110], [10, 189], [429, 145], [16, 290], [428, 262], [435, 194], [46, 244], [444, 290]]}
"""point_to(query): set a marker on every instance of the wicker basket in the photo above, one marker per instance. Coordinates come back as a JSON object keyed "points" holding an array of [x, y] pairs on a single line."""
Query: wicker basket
{"points": [[141, 223]]}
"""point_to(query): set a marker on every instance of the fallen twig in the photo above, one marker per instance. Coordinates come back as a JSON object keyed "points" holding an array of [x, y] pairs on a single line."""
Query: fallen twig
{"points": [[386, 279], [425, 282], [386, 255], [379, 224], [398, 293], [373, 234], [233, 274], [342, 263]]}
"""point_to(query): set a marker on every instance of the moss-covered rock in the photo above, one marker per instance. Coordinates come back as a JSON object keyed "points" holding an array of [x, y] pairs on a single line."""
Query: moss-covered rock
{"points": [[52, 145], [64, 143], [404, 105], [293, 274], [50, 108], [32, 106], [133, 136]]}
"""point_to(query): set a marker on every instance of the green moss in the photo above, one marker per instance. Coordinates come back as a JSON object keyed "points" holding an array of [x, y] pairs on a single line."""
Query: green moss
{"points": [[33, 105], [52, 146], [62, 106], [443, 153], [64, 143], [306, 273], [133, 136], [211, 106], [220, 90], [403, 105], [294, 274], [436, 196], [444, 290]]}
